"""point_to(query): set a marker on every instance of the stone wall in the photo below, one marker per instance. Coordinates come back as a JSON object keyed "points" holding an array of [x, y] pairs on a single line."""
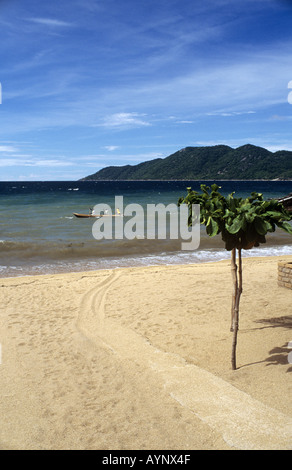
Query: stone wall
{"points": [[285, 274]]}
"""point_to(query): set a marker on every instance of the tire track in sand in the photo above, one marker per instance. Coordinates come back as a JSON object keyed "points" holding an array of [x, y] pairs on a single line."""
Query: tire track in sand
{"points": [[242, 421], [91, 318]]}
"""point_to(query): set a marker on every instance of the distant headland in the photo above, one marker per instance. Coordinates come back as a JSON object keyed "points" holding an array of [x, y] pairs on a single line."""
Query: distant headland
{"points": [[217, 162]]}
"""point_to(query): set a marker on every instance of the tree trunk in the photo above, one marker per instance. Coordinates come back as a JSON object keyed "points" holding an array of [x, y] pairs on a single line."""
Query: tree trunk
{"points": [[237, 290], [235, 285]]}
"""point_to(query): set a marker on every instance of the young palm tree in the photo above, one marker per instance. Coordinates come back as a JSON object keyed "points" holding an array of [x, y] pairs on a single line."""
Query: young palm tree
{"points": [[243, 224]]}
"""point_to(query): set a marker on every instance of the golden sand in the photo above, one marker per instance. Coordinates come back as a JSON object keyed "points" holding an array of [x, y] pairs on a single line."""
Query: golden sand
{"points": [[139, 358]]}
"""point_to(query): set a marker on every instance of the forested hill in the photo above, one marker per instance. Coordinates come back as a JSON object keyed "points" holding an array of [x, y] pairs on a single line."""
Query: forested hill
{"points": [[219, 162]]}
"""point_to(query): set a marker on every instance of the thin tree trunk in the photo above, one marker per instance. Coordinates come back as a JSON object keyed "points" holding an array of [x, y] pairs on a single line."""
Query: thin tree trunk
{"points": [[234, 277], [239, 274], [237, 281]]}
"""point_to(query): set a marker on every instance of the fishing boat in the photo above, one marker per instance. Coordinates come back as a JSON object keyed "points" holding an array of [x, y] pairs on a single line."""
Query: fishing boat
{"points": [[85, 216], [97, 216]]}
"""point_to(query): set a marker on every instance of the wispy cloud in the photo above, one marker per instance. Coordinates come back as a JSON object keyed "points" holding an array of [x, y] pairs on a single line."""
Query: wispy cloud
{"points": [[124, 120], [50, 22], [7, 148], [111, 148], [212, 89], [227, 114], [20, 162], [87, 76], [185, 122]]}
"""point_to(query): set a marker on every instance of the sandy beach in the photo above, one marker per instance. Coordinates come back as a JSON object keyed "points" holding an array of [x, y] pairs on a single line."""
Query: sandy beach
{"points": [[139, 358]]}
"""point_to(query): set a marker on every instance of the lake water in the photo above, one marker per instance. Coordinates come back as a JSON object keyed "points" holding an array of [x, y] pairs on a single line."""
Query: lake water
{"points": [[39, 233]]}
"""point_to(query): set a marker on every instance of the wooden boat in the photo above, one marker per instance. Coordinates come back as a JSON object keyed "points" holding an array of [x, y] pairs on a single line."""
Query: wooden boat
{"points": [[96, 216], [84, 216]]}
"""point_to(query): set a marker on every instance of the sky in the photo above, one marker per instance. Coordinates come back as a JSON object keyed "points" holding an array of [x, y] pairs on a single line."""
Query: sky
{"points": [[86, 84]]}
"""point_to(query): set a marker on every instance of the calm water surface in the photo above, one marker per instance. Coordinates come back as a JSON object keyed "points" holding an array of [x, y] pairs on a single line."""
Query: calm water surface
{"points": [[39, 233]]}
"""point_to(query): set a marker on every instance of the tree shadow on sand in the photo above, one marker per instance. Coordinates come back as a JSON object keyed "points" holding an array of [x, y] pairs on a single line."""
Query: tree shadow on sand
{"points": [[279, 355]]}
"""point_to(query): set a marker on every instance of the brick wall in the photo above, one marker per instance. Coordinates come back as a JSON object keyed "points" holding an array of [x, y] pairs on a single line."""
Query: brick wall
{"points": [[285, 274]]}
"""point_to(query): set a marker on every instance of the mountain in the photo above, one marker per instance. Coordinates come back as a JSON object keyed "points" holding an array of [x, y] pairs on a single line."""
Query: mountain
{"points": [[218, 162]]}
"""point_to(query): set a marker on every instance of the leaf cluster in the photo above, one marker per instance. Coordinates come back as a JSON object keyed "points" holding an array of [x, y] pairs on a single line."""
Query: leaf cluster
{"points": [[243, 223]]}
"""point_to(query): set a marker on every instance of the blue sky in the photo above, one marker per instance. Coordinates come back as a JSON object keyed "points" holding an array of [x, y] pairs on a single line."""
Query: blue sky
{"points": [[92, 83]]}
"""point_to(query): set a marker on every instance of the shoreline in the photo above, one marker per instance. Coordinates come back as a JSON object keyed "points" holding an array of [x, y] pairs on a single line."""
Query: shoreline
{"points": [[159, 257], [83, 180], [131, 358], [191, 180]]}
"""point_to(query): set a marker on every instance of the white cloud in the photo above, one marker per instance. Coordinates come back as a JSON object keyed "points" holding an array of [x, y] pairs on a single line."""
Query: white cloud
{"points": [[52, 163], [17, 161], [7, 148], [111, 148], [50, 22], [231, 113], [124, 120], [8, 162]]}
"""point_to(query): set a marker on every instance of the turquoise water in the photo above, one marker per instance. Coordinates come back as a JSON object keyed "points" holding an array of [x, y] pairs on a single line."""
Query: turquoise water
{"points": [[39, 233]]}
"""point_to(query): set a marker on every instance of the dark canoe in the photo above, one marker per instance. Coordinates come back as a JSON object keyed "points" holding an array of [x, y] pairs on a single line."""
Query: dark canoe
{"points": [[85, 216]]}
